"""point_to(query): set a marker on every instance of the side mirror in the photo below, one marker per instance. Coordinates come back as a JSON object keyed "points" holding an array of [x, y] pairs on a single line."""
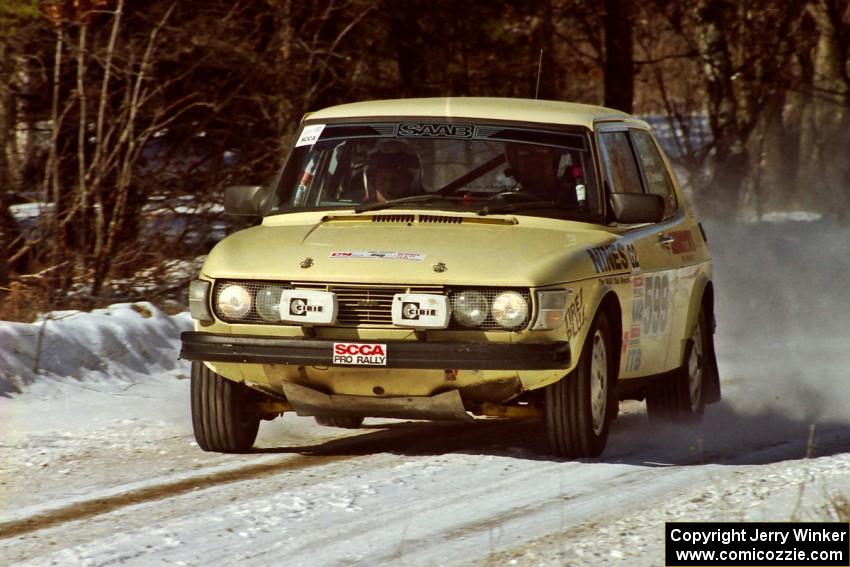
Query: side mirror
{"points": [[635, 208], [244, 200]]}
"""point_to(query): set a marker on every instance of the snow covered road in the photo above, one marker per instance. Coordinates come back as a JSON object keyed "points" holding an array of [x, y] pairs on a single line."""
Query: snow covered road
{"points": [[108, 473]]}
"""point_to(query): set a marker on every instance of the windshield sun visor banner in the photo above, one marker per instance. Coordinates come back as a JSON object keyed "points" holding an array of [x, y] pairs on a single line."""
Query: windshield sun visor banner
{"points": [[541, 137], [351, 131], [328, 132], [408, 130]]}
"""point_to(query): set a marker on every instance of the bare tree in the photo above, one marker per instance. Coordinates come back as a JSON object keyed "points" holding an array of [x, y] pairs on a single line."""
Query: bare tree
{"points": [[16, 22], [619, 68], [117, 106], [825, 115]]}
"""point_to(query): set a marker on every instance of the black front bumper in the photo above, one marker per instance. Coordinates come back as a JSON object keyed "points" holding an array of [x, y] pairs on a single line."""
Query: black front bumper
{"points": [[400, 354]]}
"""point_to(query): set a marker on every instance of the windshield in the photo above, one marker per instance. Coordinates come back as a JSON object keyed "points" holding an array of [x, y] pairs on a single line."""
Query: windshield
{"points": [[485, 168]]}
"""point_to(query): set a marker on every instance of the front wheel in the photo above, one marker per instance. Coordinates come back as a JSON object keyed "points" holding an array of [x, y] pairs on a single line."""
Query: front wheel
{"points": [[580, 407], [223, 418]]}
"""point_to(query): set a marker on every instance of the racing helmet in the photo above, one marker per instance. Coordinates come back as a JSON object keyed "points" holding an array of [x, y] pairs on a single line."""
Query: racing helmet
{"points": [[519, 156], [537, 168], [393, 169]]}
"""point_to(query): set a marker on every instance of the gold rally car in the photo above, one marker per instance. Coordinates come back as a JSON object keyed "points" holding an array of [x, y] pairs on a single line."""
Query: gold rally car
{"points": [[456, 257]]}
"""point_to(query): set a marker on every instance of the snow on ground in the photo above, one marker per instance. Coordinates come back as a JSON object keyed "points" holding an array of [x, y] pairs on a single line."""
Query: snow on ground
{"points": [[99, 466], [120, 341]]}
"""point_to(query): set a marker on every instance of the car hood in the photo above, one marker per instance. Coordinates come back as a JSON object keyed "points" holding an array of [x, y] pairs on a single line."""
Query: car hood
{"points": [[410, 248]]}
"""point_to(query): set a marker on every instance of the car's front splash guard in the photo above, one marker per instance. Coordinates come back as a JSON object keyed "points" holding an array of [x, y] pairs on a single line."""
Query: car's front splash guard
{"points": [[307, 401]]}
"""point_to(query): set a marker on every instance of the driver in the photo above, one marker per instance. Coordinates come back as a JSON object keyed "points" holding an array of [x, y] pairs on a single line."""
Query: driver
{"points": [[535, 168], [392, 171]]}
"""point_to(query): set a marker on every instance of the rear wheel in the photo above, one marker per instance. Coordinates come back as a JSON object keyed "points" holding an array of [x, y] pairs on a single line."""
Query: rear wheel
{"points": [[681, 397], [223, 418], [345, 422], [580, 407]]}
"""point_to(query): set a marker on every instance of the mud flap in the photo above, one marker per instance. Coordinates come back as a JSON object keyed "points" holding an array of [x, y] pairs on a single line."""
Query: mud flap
{"points": [[711, 383]]}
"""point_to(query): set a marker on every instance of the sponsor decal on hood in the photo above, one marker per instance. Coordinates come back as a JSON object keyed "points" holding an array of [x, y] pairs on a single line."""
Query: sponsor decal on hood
{"points": [[377, 255]]}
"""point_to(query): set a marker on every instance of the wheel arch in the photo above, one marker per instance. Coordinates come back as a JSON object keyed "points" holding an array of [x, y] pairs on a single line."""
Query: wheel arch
{"points": [[603, 299], [702, 298], [712, 391], [610, 305], [572, 405], [708, 304]]}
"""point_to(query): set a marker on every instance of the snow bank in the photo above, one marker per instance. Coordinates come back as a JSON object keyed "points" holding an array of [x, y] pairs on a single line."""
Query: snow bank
{"points": [[121, 341]]}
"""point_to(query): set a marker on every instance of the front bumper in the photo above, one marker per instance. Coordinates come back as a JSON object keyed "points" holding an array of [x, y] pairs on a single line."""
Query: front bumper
{"points": [[400, 354]]}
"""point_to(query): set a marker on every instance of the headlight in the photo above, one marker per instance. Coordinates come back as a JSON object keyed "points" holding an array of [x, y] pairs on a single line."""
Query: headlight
{"points": [[234, 301], [469, 308], [510, 309], [268, 303]]}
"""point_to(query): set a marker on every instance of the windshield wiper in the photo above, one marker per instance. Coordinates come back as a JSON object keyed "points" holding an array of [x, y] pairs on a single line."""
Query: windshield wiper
{"points": [[513, 207], [401, 201]]}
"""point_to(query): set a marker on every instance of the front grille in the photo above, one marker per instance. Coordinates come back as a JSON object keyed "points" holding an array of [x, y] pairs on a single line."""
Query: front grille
{"points": [[367, 305]]}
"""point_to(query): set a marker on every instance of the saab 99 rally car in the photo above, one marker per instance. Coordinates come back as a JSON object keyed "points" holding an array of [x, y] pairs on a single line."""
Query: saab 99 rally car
{"points": [[453, 258]]}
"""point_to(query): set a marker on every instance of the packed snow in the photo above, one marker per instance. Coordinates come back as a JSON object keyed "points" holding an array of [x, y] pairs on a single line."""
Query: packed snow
{"points": [[99, 465]]}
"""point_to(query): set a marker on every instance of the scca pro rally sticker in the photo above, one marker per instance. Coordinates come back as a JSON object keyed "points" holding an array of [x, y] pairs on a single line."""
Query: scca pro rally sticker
{"points": [[360, 354]]}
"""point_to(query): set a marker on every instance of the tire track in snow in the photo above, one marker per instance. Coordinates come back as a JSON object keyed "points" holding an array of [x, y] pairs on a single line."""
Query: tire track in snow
{"points": [[97, 506], [338, 450]]}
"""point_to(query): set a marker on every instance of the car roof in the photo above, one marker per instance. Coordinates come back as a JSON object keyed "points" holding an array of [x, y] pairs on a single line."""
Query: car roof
{"points": [[510, 109]]}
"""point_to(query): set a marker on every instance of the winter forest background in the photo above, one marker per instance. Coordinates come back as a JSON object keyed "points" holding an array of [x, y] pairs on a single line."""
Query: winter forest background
{"points": [[119, 118]]}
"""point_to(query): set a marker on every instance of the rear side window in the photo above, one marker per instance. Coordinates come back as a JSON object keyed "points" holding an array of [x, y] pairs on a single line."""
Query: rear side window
{"points": [[620, 166], [656, 174]]}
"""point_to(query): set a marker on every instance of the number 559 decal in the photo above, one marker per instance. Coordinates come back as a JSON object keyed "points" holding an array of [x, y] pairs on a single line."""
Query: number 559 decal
{"points": [[656, 304]]}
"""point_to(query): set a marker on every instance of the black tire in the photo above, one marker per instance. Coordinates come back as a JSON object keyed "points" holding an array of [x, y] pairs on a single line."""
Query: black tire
{"points": [[222, 417], [680, 397], [346, 422], [580, 407]]}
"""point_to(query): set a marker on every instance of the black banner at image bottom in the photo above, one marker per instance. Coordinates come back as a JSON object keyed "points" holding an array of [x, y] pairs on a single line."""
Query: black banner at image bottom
{"points": [[763, 544]]}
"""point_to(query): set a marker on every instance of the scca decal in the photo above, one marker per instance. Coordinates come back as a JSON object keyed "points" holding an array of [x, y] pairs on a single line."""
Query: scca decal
{"points": [[436, 130], [614, 257], [360, 354], [352, 348]]}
